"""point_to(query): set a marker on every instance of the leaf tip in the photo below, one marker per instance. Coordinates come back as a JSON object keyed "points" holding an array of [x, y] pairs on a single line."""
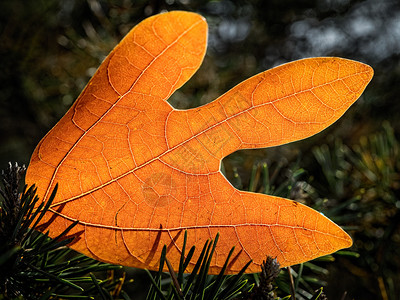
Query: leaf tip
{"points": [[343, 240], [368, 72], [348, 241]]}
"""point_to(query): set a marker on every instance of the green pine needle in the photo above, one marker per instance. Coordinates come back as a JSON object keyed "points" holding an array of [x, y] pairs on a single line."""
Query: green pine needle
{"points": [[33, 266]]}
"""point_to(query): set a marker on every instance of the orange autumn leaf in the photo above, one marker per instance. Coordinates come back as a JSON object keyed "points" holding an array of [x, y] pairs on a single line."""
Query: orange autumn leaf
{"points": [[136, 173]]}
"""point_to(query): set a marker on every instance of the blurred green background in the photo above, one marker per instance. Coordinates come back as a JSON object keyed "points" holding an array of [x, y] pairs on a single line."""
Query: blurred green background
{"points": [[49, 50]]}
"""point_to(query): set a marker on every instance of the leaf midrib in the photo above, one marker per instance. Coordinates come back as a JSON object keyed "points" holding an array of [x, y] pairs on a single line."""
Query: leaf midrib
{"points": [[195, 136], [193, 227]]}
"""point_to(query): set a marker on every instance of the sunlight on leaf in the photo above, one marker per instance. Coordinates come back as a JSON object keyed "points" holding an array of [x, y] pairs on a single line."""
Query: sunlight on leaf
{"points": [[136, 173]]}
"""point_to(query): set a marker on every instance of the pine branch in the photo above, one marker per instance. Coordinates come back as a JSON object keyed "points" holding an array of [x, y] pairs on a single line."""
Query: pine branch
{"points": [[33, 266]]}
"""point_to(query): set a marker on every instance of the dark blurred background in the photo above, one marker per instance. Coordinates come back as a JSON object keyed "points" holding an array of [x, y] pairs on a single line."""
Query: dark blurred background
{"points": [[49, 50]]}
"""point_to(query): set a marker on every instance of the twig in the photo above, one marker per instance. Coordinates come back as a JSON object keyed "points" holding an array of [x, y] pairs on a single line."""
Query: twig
{"points": [[292, 291], [174, 279]]}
